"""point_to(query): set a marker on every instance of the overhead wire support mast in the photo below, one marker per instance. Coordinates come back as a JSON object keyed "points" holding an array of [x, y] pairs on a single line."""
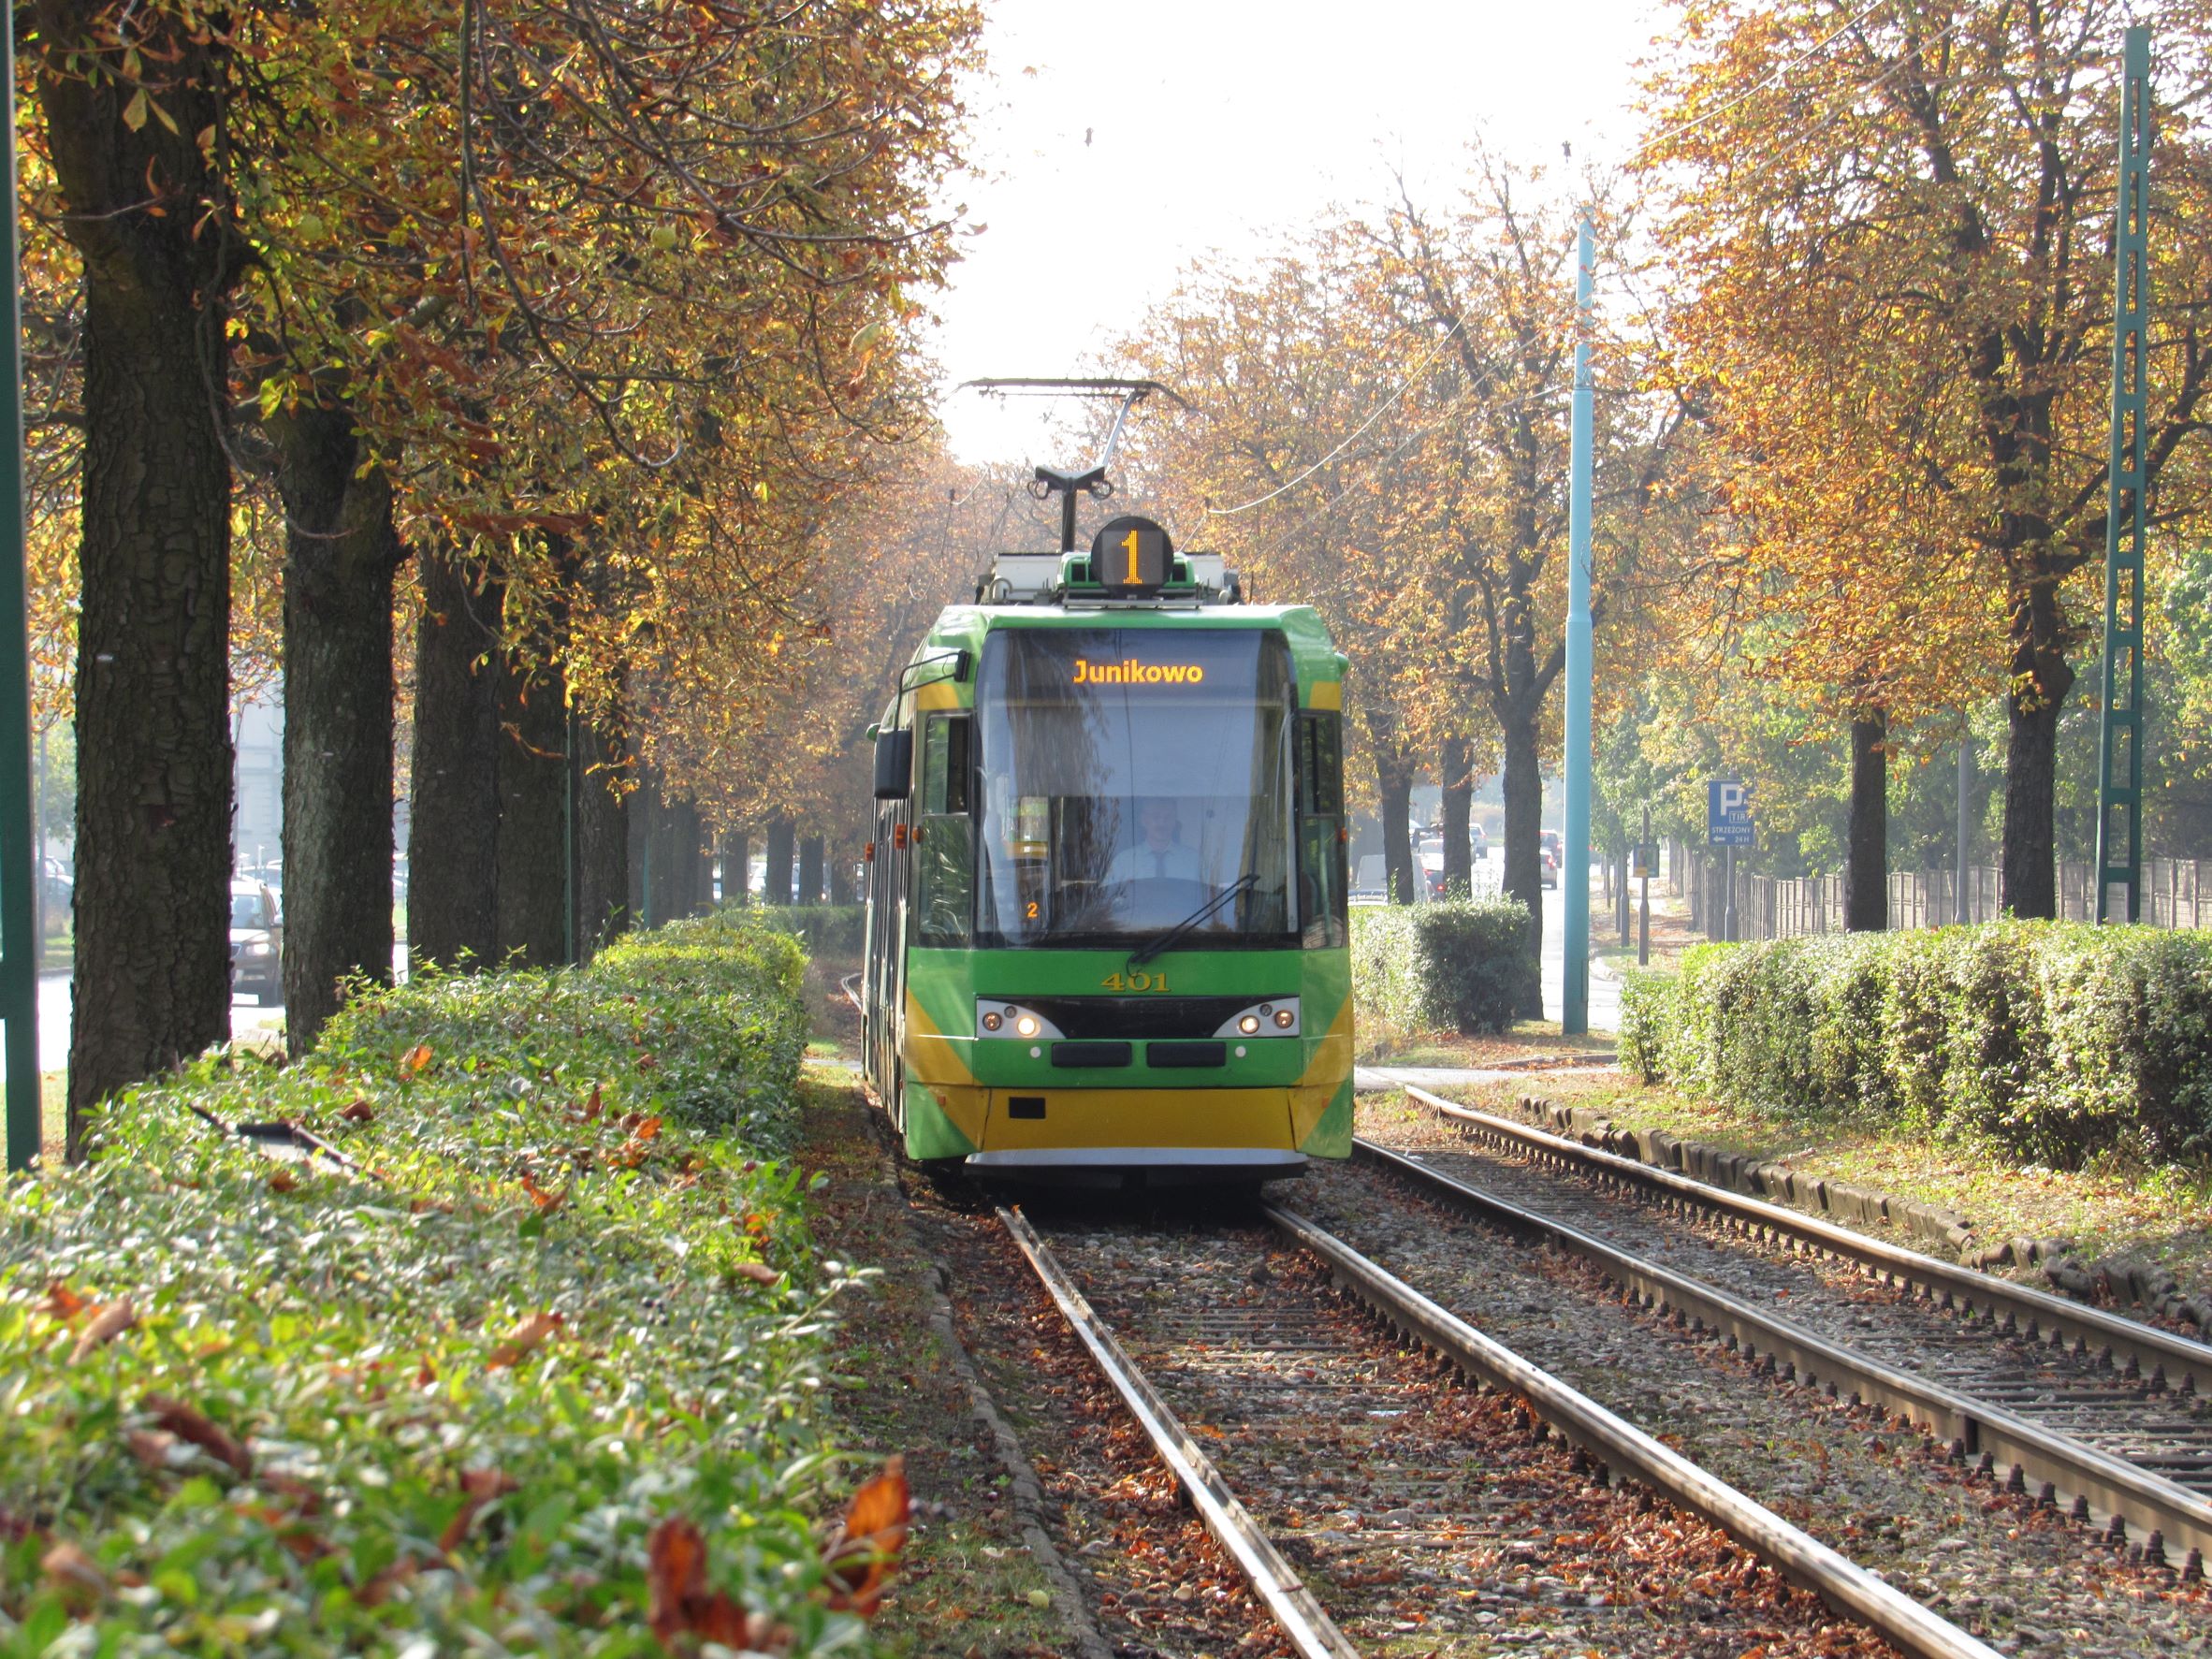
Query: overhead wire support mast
{"points": [[1574, 876], [2120, 744], [19, 861]]}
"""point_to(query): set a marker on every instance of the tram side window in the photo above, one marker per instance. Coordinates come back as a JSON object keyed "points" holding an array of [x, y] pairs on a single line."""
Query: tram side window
{"points": [[1321, 876], [944, 848]]}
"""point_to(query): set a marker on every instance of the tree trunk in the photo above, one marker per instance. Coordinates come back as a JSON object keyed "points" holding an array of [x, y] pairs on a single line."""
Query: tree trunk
{"points": [[152, 690], [1866, 863], [602, 842], [454, 796], [1523, 786], [643, 807], [840, 878], [1393, 789], [690, 859], [533, 900], [2040, 679], [776, 879], [736, 859], [810, 870], [341, 550], [1459, 795]]}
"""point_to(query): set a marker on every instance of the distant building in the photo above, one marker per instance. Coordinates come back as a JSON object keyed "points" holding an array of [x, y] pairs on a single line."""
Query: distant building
{"points": [[258, 731]]}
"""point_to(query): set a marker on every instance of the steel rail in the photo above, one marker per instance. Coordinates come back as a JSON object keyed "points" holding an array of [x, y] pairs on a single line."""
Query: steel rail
{"points": [[2168, 1360], [1624, 1448], [2106, 1486], [1310, 1629]]}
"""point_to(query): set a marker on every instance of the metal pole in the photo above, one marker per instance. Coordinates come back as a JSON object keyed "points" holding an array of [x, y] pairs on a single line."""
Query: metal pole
{"points": [[1574, 999], [1728, 900], [18, 870], [2120, 743], [1643, 923], [1966, 784]]}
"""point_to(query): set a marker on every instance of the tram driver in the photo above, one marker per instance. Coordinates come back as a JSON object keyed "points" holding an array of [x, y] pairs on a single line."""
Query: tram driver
{"points": [[1158, 854]]}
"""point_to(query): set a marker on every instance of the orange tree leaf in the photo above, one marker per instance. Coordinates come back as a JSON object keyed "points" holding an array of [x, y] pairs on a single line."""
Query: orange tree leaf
{"points": [[108, 1324], [676, 1575], [189, 1424], [526, 1339], [865, 1553]]}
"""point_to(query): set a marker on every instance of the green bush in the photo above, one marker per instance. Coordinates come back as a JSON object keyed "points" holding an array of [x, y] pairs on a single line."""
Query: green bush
{"points": [[2057, 1041], [829, 930], [1457, 965], [436, 1400]]}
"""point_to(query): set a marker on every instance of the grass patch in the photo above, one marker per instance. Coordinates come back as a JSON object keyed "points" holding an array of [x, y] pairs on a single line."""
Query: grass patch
{"points": [[441, 1400], [2158, 1212], [968, 1583]]}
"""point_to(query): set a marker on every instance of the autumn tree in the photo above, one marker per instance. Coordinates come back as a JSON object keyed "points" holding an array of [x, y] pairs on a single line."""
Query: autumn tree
{"points": [[1902, 214], [129, 142]]}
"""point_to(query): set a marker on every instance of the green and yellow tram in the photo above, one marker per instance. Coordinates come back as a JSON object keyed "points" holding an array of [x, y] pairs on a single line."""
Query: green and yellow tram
{"points": [[1106, 929]]}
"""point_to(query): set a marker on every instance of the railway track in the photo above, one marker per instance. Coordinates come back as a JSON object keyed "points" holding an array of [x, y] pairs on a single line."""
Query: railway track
{"points": [[1390, 1514], [2092, 1413]]}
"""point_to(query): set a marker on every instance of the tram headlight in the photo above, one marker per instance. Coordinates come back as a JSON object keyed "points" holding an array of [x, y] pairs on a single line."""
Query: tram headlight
{"points": [[995, 1016], [1278, 1016]]}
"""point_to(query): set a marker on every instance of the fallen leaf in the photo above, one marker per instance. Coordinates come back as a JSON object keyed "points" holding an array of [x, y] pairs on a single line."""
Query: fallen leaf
{"points": [[283, 1181], [592, 1106], [416, 1059], [359, 1111], [759, 1272], [379, 1588], [863, 1554], [679, 1602], [479, 1486], [546, 1201], [188, 1424], [525, 1339], [74, 1573], [108, 1324], [62, 1303]]}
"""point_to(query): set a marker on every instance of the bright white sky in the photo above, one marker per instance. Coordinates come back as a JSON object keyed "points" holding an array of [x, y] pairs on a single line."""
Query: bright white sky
{"points": [[1117, 142]]}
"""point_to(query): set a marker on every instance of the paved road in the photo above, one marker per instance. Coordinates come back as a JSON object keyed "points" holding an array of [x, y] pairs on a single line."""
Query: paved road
{"points": [[249, 1019]]}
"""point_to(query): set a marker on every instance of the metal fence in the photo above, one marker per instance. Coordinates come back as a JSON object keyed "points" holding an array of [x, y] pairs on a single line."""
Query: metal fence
{"points": [[2177, 892]]}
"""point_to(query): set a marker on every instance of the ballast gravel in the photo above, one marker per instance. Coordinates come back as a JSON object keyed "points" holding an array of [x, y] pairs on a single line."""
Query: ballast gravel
{"points": [[2025, 1581]]}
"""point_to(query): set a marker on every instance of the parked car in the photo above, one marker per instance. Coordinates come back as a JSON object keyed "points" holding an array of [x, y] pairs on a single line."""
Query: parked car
{"points": [[256, 942], [1478, 839], [1549, 869]]}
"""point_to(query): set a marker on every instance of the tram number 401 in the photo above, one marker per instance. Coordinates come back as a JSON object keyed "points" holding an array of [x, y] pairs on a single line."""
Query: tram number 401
{"points": [[1135, 982]]}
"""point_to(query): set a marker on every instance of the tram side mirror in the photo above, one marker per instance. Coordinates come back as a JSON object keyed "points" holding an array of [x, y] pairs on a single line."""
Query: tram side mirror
{"points": [[894, 764]]}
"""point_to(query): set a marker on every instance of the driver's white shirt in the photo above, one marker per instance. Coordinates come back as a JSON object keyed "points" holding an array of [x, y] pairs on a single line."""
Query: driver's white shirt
{"points": [[1145, 861]]}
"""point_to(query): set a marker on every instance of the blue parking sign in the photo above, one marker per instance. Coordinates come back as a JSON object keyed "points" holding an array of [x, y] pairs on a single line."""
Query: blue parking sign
{"points": [[1727, 814]]}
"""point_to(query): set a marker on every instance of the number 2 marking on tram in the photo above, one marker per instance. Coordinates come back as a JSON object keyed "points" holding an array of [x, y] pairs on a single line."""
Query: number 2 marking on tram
{"points": [[1129, 542], [1032, 909]]}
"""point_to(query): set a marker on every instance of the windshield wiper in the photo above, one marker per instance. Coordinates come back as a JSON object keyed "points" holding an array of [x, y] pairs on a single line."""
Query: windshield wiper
{"points": [[1161, 941]]}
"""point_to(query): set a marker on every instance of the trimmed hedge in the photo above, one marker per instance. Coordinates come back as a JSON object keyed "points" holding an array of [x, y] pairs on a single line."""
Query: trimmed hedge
{"points": [[1455, 966], [438, 1401], [2056, 1041]]}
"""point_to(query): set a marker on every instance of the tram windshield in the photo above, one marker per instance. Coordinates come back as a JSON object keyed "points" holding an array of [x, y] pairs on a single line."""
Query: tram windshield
{"points": [[1132, 777]]}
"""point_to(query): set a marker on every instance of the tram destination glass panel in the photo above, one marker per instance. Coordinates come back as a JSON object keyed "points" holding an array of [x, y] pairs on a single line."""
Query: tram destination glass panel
{"points": [[1130, 779]]}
